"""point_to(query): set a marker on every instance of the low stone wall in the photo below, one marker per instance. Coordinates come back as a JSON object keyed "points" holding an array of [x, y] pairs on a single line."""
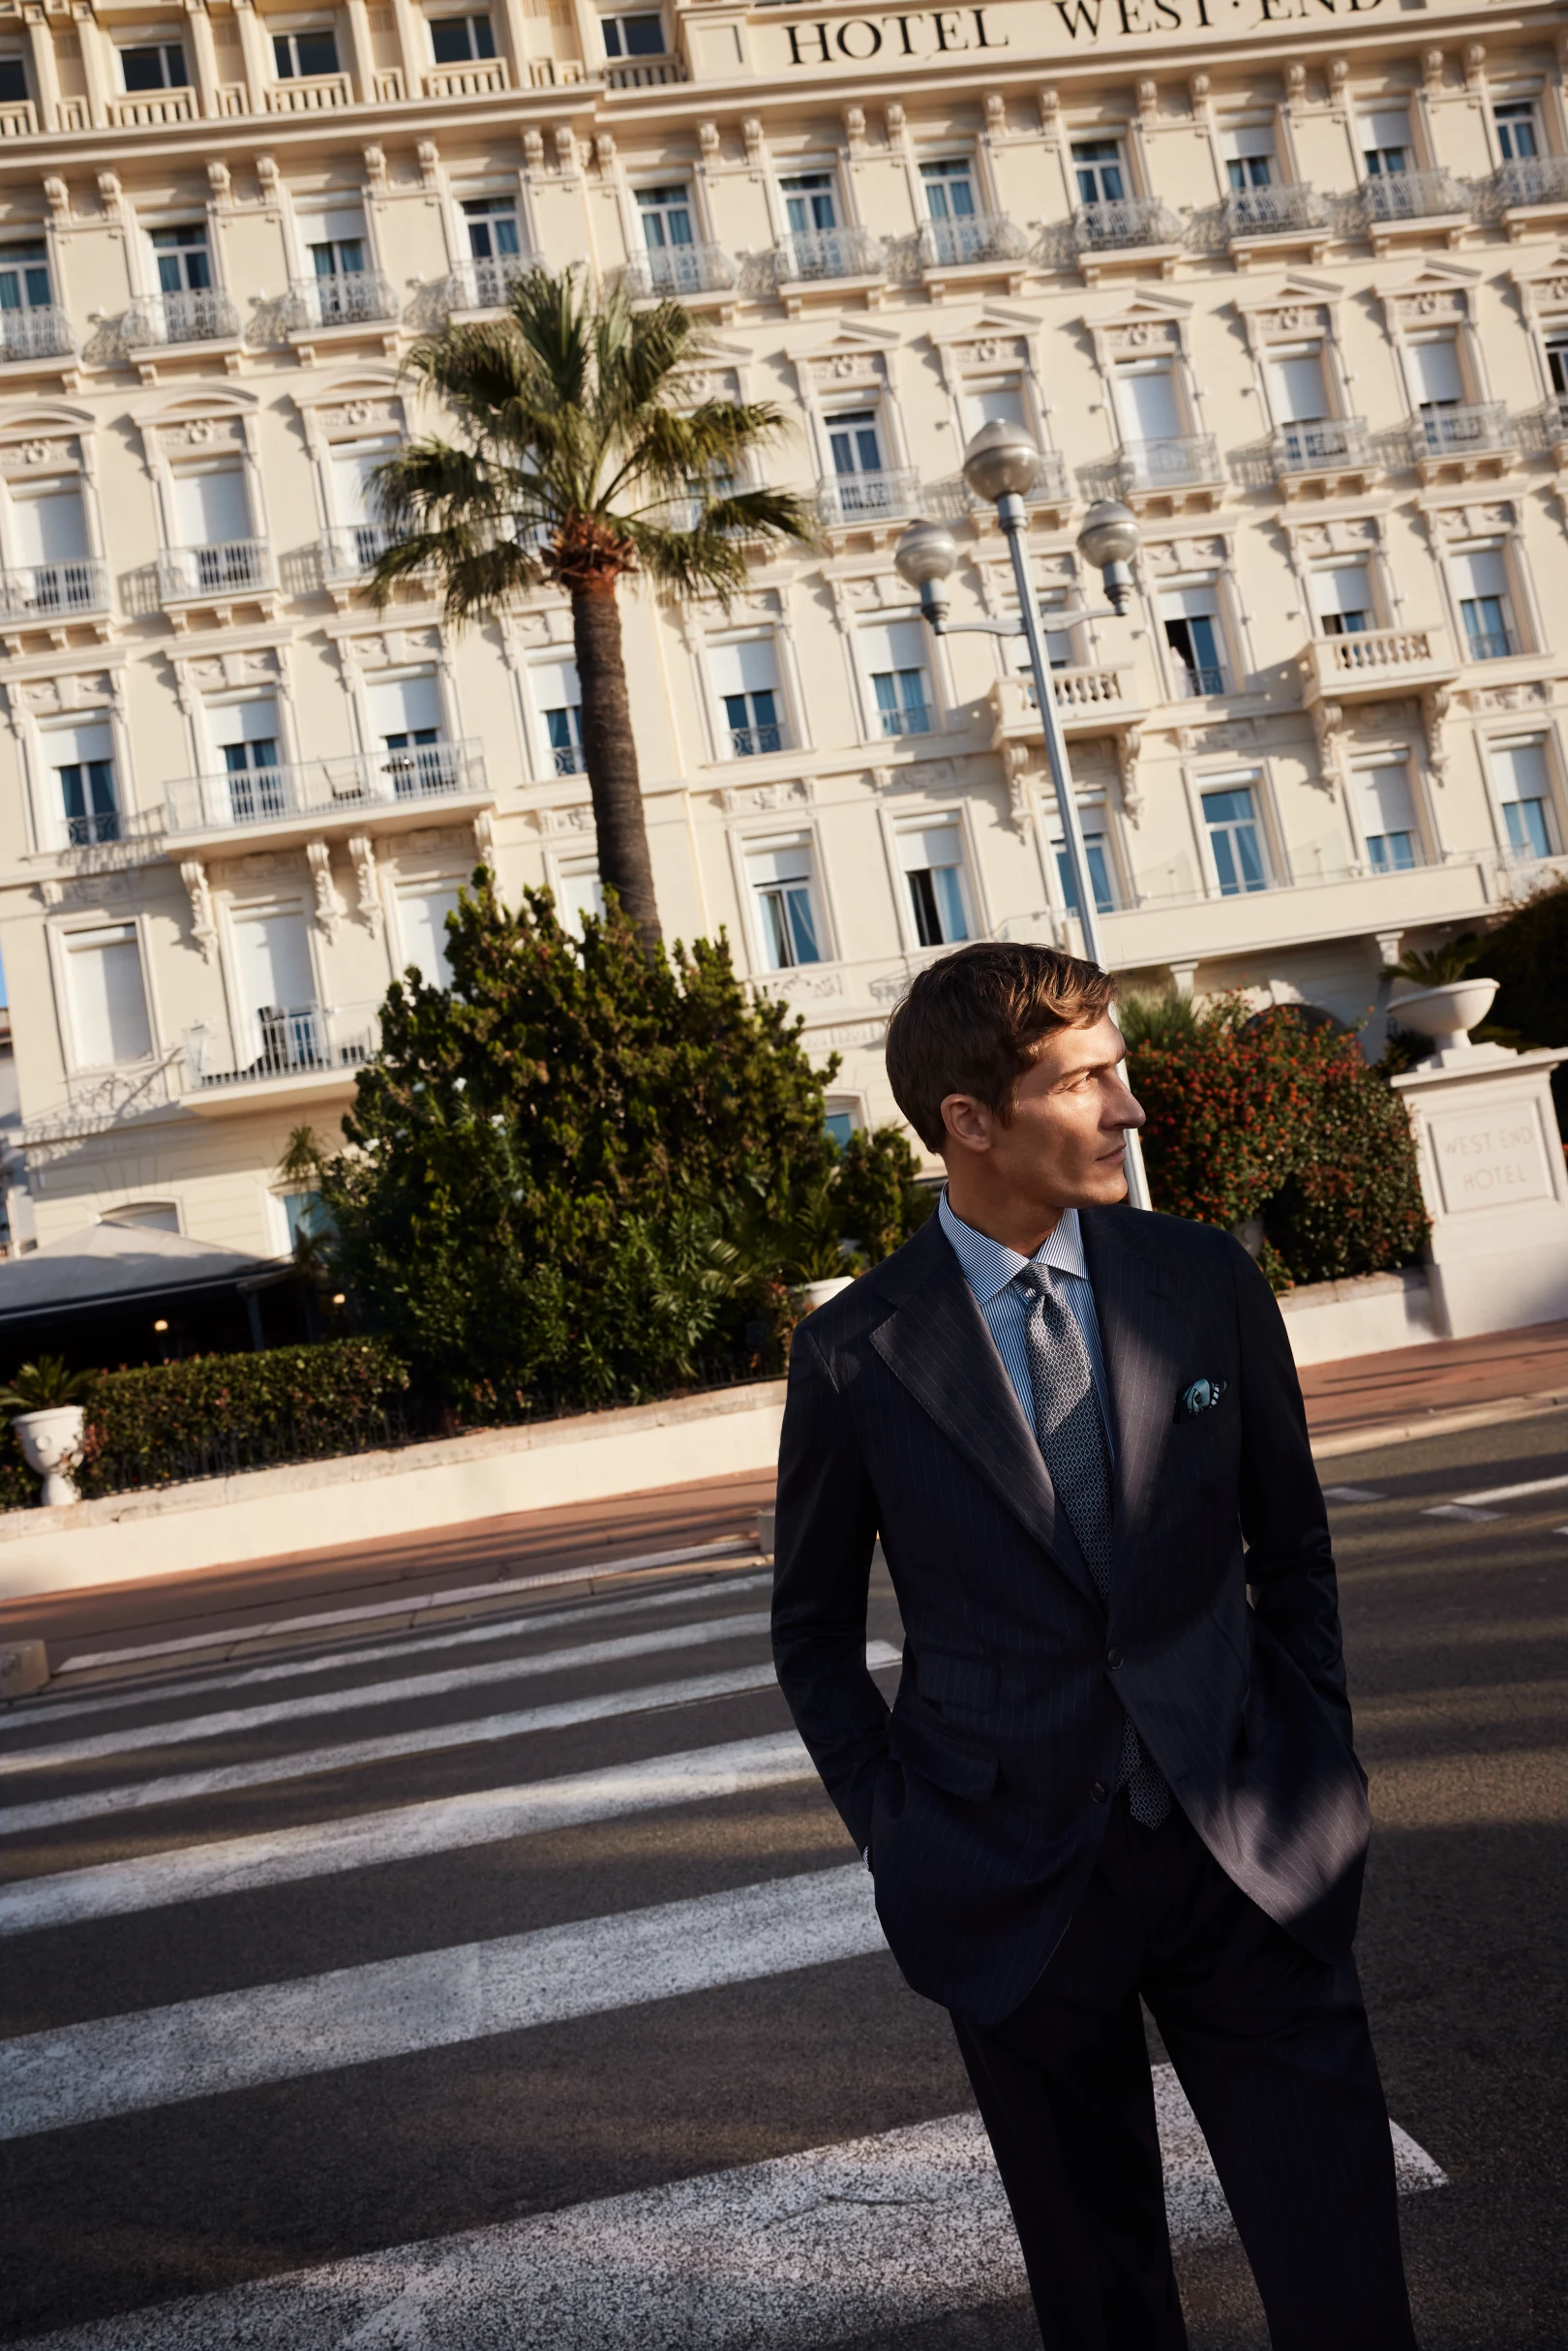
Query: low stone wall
{"points": [[312, 1505], [1375, 1313]]}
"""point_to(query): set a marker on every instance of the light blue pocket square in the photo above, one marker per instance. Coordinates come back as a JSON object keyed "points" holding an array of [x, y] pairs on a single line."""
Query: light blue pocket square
{"points": [[1199, 1395]]}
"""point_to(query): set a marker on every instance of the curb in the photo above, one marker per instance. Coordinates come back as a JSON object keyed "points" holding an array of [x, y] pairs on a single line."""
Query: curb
{"points": [[1334, 1442]]}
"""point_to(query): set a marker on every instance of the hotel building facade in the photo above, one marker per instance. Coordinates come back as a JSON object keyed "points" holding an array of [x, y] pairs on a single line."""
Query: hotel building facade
{"points": [[1289, 276]]}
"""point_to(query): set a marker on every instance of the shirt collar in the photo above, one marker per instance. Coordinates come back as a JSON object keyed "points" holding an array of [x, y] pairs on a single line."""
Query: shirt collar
{"points": [[990, 1265]]}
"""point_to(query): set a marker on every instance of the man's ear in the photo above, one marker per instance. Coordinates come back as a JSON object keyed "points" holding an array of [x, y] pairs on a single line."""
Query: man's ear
{"points": [[969, 1124]]}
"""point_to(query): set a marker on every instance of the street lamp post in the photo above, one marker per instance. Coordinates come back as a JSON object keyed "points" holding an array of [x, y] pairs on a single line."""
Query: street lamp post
{"points": [[1001, 465]]}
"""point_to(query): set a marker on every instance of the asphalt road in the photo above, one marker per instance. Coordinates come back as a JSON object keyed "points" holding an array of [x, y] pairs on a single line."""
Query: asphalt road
{"points": [[509, 1982]]}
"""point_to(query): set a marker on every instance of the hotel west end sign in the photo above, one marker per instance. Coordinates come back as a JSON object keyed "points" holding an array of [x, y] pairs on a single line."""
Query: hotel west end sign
{"points": [[1495, 1185]]}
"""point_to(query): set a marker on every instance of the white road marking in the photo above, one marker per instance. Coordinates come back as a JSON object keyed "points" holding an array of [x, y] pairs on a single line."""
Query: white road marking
{"points": [[873, 2234], [187, 1786], [183, 1729], [1515, 1493], [1354, 1493], [432, 2000], [413, 1605], [408, 1832], [1459, 1510], [43, 1712]]}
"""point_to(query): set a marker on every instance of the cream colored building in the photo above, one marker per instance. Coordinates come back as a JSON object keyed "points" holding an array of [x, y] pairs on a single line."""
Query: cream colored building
{"points": [[1289, 275]]}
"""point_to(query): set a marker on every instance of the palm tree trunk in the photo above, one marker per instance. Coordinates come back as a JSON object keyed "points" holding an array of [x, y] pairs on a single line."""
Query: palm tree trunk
{"points": [[610, 752]]}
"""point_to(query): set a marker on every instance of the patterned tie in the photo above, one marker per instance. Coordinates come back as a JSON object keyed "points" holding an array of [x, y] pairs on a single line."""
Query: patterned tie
{"points": [[1072, 1432]]}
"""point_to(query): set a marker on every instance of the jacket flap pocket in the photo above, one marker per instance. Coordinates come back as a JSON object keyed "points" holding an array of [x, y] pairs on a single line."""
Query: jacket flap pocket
{"points": [[946, 1679], [938, 1757]]}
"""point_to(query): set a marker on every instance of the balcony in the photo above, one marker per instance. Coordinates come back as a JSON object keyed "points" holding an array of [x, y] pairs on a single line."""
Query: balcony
{"points": [[1329, 446], [1276, 212], [467, 77], [1128, 222], [1489, 645], [487, 284], [645, 74], [18, 119], [234, 567], [351, 549], [568, 759], [40, 333], [1371, 664], [310, 1040], [1462, 440], [915, 718], [984, 236], [1088, 701], [204, 314], [848, 499], [678, 270], [817, 254], [1149, 469], [755, 742], [354, 790], [1208, 678], [1536, 179], [152, 109], [1396, 200], [309, 94], [353, 299], [43, 594]]}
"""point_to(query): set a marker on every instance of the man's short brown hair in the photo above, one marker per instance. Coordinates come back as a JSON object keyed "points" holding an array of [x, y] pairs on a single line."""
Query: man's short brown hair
{"points": [[973, 1023]]}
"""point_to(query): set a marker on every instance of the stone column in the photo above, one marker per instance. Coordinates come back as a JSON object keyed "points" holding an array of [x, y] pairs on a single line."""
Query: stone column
{"points": [[1494, 1183]]}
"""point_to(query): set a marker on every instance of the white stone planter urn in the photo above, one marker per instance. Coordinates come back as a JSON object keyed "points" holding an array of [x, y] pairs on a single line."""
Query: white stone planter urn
{"points": [[809, 1295], [1446, 1014], [51, 1443]]}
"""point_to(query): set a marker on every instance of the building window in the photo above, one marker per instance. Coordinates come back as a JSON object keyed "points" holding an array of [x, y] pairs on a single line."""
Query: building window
{"points": [[1524, 788], [422, 927], [1099, 169], [932, 859], [1235, 840], [1388, 822], [13, 90], [212, 509], [337, 256], [184, 266], [950, 189], [1486, 609], [1297, 388], [405, 714], [24, 277], [1148, 407], [1096, 856], [780, 880], [461, 39], [746, 679], [1438, 379], [1385, 144], [83, 763], [356, 498], [841, 1121], [855, 445], [896, 662], [579, 893], [302, 56], [633, 36], [492, 226], [1192, 623], [245, 735], [161, 67], [666, 216], [279, 1025], [109, 1002], [1248, 151], [48, 533], [999, 401], [809, 202], [1342, 599], [1517, 140], [558, 698], [1557, 359]]}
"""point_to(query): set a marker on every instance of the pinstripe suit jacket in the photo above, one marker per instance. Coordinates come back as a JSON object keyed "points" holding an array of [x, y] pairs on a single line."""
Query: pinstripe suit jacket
{"points": [[982, 1794]]}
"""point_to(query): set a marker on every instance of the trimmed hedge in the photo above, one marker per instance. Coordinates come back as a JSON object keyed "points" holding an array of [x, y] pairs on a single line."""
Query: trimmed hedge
{"points": [[220, 1413]]}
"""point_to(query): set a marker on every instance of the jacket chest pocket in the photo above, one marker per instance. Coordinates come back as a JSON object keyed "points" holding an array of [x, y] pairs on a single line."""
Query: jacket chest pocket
{"points": [[946, 1679]]}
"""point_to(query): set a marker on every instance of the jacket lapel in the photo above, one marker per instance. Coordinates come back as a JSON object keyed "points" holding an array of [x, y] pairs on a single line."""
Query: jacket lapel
{"points": [[1138, 1305], [936, 1343]]}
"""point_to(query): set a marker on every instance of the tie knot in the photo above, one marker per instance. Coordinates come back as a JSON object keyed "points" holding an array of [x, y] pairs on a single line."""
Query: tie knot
{"points": [[1035, 1280]]}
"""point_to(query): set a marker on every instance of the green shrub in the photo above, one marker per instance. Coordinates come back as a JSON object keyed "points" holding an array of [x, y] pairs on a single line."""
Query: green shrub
{"points": [[1527, 952], [1269, 1116]]}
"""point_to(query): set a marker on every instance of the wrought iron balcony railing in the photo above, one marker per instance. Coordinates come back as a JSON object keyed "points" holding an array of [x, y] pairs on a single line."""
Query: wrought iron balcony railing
{"points": [[486, 283], [828, 253], [1326, 441], [1413, 196], [858, 498], [354, 785], [985, 236], [51, 592], [752, 742], [1272, 212], [230, 568], [1536, 179], [915, 718], [1205, 677], [1167, 464], [1462, 432], [568, 759], [1128, 219], [94, 827], [42, 332], [346, 298], [1489, 645], [351, 549], [679, 269], [203, 315], [297, 1042]]}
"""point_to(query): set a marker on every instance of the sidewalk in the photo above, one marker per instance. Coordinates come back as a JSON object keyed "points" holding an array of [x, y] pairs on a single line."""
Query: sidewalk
{"points": [[1413, 1391]]}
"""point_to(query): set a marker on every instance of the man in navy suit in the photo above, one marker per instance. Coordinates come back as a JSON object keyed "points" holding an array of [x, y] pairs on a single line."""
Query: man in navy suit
{"points": [[1119, 1763]]}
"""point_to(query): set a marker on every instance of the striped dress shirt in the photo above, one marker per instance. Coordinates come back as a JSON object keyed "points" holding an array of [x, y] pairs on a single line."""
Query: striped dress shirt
{"points": [[991, 1270]]}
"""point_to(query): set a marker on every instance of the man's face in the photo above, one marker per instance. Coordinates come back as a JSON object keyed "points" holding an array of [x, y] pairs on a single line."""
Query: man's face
{"points": [[1064, 1146]]}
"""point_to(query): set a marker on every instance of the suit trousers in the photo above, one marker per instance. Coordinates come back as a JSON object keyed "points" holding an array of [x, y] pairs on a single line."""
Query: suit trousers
{"points": [[1272, 2048]]}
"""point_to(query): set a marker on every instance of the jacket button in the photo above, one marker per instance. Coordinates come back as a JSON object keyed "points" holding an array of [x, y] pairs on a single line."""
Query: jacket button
{"points": [[1113, 1658], [1099, 1790]]}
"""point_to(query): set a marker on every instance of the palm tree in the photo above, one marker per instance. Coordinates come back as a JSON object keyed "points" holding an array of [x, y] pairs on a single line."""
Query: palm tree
{"points": [[579, 464]]}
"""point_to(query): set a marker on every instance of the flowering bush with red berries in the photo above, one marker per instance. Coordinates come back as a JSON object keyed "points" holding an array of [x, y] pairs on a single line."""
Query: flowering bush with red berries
{"points": [[1270, 1116]]}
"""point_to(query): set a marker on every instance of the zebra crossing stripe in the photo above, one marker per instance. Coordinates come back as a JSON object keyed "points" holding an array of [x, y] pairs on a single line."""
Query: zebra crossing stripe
{"points": [[875, 2235], [432, 2000], [620, 1649], [408, 1833]]}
